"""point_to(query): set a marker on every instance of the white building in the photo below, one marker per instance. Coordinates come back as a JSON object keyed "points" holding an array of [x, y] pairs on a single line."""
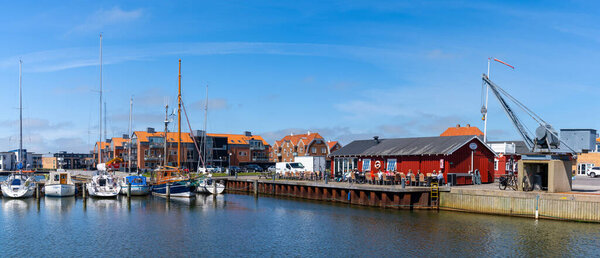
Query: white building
{"points": [[9, 160]]}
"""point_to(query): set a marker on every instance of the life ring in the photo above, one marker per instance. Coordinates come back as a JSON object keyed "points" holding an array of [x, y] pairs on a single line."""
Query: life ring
{"points": [[378, 164]]}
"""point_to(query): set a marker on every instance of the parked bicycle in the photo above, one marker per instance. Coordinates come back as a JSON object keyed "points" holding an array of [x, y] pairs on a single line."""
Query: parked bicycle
{"points": [[509, 181]]}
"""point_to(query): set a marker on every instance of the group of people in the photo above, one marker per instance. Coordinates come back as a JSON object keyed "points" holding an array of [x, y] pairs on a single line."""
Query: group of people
{"points": [[435, 176]]}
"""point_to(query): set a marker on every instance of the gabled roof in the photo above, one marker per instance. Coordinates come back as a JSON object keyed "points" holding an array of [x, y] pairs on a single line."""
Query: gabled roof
{"points": [[458, 130], [437, 145], [238, 138], [297, 138], [118, 141], [332, 144], [143, 136]]}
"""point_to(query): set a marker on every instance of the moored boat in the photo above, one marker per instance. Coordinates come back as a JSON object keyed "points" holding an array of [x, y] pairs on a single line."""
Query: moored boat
{"points": [[59, 184], [103, 184], [18, 185], [179, 185], [209, 186], [139, 185]]}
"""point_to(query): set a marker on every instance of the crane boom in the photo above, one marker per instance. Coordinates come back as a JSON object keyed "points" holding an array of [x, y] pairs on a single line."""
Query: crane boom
{"points": [[511, 114]]}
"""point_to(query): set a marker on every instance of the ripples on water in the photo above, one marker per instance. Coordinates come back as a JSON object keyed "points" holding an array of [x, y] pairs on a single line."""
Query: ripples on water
{"points": [[240, 225]]}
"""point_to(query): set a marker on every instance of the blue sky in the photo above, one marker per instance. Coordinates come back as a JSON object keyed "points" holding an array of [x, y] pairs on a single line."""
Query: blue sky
{"points": [[347, 69]]}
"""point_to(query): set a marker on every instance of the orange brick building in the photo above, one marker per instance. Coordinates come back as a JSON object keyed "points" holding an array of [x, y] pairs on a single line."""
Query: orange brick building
{"points": [[291, 146], [148, 149]]}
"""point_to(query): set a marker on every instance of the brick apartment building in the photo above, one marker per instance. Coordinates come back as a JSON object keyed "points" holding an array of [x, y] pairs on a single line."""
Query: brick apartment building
{"points": [[235, 149], [148, 149], [291, 146], [66, 160]]}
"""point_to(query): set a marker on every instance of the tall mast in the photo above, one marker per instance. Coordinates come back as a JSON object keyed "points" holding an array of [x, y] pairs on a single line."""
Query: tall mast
{"points": [[100, 122], [20, 116], [105, 123], [165, 154], [179, 120], [129, 136], [205, 121]]}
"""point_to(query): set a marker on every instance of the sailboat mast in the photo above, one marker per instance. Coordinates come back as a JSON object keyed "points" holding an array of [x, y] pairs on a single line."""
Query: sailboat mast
{"points": [[205, 121], [165, 155], [179, 120], [100, 122], [105, 123], [20, 115], [129, 138]]}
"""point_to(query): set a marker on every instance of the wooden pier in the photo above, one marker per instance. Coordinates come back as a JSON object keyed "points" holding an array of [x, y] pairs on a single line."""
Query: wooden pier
{"points": [[383, 196]]}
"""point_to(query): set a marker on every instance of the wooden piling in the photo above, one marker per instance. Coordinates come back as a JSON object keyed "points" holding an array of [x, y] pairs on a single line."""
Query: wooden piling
{"points": [[128, 190], [83, 191], [168, 191], [37, 190], [256, 187]]}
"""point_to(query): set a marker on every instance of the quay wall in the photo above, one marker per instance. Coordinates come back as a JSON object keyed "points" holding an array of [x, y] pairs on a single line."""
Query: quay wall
{"points": [[561, 206], [365, 195]]}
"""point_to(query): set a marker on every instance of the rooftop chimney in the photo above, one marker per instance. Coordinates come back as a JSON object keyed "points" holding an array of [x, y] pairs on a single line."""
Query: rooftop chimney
{"points": [[468, 125], [125, 136], [291, 134], [376, 138], [248, 133], [457, 125], [150, 130], [308, 133]]}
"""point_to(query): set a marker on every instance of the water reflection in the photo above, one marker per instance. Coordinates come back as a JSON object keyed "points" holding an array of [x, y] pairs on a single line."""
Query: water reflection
{"points": [[267, 226], [57, 205]]}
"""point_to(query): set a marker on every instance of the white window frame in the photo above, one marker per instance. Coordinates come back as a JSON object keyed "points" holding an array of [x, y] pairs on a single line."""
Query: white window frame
{"points": [[392, 162], [366, 164], [496, 162]]}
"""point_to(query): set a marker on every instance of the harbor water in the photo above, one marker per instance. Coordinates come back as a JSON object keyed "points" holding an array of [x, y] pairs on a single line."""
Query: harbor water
{"points": [[242, 225]]}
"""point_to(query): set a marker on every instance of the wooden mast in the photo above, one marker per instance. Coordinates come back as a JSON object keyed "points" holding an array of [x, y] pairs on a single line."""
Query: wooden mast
{"points": [[179, 120]]}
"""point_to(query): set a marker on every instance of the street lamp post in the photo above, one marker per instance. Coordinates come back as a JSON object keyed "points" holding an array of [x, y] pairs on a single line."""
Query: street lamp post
{"points": [[229, 164]]}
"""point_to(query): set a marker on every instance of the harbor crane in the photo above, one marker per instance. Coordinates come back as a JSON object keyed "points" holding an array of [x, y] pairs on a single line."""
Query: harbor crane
{"points": [[546, 139]]}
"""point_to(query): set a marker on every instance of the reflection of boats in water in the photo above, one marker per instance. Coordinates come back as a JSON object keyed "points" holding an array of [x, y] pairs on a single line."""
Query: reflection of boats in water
{"points": [[210, 201], [139, 185], [103, 203], [59, 184], [58, 205], [14, 205], [18, 185]]}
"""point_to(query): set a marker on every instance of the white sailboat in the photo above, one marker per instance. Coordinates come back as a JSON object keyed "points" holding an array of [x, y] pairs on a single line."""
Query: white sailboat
{"points": [[103, 184], [59, 184], [19, 185], [207, 184]]}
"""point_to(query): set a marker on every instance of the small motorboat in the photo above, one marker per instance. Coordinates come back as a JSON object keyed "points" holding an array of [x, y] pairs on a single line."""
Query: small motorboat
{"points": [[209, 186], [103, 184], [139, 185], [59, 184], [18, 185]]}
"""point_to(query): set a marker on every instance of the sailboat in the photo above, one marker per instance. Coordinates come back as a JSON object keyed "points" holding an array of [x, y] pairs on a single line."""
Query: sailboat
{"points": [[173, 178], [207, 184], [103, 184], [19, 185], [139, 184], [59, 184]]}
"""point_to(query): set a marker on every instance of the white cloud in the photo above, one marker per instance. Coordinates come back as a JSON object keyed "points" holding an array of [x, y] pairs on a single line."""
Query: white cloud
{"points": [[103, 18]]}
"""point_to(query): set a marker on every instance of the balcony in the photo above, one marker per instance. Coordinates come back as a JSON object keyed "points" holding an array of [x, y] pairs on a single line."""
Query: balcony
{"points": [[157, 145], [257, 147], [151, 158], [260, 159]]}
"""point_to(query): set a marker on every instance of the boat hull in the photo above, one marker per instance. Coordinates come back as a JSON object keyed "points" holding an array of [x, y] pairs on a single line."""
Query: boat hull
{"points": [[17, 192], [59, 190], [136, 189], [178, 189]]}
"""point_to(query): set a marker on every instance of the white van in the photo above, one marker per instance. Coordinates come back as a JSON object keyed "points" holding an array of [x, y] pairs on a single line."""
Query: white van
{"points": [[282, 167]]}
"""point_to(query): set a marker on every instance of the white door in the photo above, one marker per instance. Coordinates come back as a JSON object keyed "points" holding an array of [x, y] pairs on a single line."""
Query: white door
{"points": [[582, 168]]}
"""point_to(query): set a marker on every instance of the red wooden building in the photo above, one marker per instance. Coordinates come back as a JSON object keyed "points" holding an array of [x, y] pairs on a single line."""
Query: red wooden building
{"points": [[458, 155]]}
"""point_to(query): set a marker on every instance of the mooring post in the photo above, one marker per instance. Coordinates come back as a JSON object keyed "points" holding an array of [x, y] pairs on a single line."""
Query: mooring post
{"points": [[255, 187], [236, 175], [83, 191], [37, 190], [403, 183], [129, 190], [168, 191], [215, 186], [326, 177]]}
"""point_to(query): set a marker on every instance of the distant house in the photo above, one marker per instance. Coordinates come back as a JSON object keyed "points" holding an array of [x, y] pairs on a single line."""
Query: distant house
{"points": [[465, 130], [509, 153], [291, 146]]}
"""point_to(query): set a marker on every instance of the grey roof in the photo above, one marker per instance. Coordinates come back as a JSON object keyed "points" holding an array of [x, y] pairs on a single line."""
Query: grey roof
{"points": [[438, 145], [520, 147]]}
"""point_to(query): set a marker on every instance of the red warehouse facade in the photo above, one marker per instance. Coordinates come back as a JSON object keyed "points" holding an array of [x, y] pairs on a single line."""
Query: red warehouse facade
{"points": [[460, 155]]}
